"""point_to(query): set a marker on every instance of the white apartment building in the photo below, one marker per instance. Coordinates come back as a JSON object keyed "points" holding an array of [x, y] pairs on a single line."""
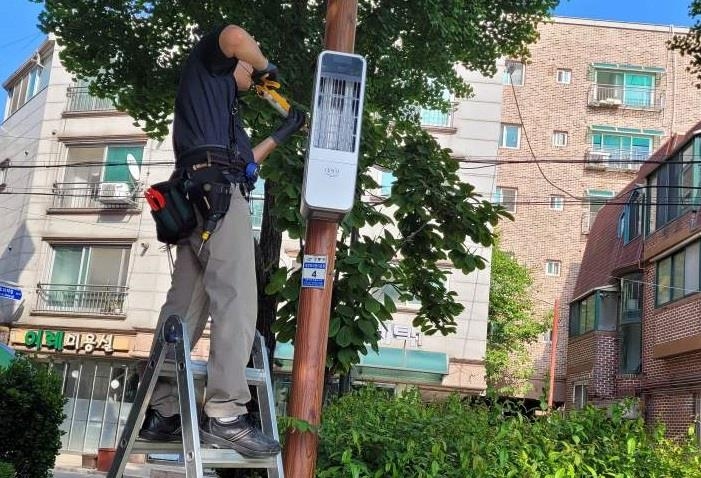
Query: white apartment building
{"points": [[78, 240]]}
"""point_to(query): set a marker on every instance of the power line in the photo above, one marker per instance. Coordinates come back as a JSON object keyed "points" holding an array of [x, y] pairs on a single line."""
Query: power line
{"points": [[528, 142]]}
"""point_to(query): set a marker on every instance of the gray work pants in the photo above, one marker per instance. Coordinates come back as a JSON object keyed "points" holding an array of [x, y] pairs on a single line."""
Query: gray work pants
{"points": [[219, 283]]}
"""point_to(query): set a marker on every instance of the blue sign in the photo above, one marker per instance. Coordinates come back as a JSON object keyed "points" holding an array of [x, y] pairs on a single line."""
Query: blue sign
{"points": [[314, 271], [10, 293]]}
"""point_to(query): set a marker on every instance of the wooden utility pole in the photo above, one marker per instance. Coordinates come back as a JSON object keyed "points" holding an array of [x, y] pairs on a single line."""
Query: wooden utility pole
{"points": [[315, 304], [553, 353]]}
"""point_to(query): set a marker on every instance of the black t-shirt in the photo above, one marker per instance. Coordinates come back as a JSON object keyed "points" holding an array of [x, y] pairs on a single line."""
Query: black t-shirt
{"points": [[205, 99]]}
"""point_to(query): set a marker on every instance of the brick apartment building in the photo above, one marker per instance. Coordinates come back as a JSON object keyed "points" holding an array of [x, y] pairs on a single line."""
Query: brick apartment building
{"points": [[595, 99], [635, 323]]}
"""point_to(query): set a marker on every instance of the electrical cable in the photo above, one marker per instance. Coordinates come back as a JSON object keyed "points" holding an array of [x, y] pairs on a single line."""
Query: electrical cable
{"points": [[528, 142]]}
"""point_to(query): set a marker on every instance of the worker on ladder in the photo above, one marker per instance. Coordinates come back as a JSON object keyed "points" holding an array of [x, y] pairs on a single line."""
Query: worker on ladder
{"points": [[214, 271]]}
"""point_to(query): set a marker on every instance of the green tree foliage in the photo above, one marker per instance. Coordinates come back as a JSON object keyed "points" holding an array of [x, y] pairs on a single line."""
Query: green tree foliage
{"points": [[31, 411], [372, 434], [512, 325], [133, 48], [689, 44]]}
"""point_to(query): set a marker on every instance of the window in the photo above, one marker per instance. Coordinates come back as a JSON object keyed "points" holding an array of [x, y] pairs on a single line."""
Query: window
{"points": [[564, 76], [510, 136], [4, 167], [579, 397], [100, 176], [584, 314], [629, 329], [620, 151], [547, 336], [28, 85], [674, 186], [633, 216], [596, 199], [560, 139], [256, 203], [635, 89], [678, 274], [506, 197], [387, 179], [552, 268], [436, 117], [557, 203], [513, 73], [86, 278]]}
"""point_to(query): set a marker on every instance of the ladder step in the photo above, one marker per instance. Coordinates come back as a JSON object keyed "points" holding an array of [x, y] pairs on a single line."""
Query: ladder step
{"points": [[254, 376], [211, 457]]}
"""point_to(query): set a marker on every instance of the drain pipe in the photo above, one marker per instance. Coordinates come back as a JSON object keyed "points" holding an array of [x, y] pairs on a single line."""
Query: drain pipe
{"points": [[553, 353], [672, 129]]}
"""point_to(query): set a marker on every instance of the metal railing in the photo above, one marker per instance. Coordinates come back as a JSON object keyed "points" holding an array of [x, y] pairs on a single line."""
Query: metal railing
{"points": [[616, 158], [630, 96], [435, 118], [80, 99], [94, 196], [79, 298]]}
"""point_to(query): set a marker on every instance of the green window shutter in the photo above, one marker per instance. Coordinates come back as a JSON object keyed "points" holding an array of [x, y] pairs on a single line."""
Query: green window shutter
{"points": [[117, 166]]}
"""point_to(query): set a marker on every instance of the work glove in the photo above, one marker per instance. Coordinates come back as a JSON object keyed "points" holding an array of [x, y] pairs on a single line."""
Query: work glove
{"points": [[293, 123], [267, 73]]}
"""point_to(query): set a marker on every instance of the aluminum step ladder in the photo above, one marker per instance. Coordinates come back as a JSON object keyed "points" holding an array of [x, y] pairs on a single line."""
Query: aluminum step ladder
{"points": [[172, 337]]}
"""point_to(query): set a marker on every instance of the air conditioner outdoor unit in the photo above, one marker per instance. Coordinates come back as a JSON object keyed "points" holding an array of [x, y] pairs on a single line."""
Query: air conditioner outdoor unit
{"points": [[599, 156], [611, 102], [115, 193]]}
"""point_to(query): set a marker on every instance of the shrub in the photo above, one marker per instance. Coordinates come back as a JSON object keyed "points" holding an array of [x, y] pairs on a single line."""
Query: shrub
{"points": [[368, 434], [31, 411], [7, 470]]}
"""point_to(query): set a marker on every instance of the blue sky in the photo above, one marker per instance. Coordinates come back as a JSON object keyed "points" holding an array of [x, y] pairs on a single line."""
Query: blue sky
{"points": [[20, 36]]}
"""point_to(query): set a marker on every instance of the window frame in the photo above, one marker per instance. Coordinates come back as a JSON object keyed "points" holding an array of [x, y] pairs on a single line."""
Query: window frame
{"points": [[557, 202], [557, 264], [4, 168], [567, 73], [499, 198], [27, 86], [584, 394], [562, 134], [508, 77], [680, 269], [503, 137]]}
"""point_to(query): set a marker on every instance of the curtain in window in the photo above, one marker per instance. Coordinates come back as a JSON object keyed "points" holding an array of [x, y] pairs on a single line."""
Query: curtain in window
{"points": [[639, 90], [117, 163]]}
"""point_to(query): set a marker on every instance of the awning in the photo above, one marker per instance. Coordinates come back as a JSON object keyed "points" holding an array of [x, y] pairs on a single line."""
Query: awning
{"points": [[626, 130], [7, 354], [390, 364], [627, 67]]}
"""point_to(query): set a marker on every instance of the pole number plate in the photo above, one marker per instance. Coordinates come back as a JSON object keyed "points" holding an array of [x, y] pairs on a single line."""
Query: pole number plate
{"points": [[314, 271]]}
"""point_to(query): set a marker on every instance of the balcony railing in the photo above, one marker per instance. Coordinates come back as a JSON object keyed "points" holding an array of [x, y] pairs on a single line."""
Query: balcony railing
{"points": [[82, 299], [614, 158], [625, 96], [100, 195], [80, 100]]}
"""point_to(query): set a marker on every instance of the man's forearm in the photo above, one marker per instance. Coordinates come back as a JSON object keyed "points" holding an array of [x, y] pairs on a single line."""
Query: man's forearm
{"points": [[234, 41], [263, 149]]}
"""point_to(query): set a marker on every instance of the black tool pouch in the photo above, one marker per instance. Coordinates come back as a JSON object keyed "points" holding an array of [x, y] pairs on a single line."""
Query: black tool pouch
{"points": [[173, 213], [210, 191]]}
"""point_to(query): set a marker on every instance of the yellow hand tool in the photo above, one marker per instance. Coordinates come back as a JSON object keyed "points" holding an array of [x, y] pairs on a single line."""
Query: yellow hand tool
{"points": [[268, 91]]}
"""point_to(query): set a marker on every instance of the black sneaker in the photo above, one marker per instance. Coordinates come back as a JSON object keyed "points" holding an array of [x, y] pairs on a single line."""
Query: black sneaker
{"points": [[239, 435], [157, 427]]}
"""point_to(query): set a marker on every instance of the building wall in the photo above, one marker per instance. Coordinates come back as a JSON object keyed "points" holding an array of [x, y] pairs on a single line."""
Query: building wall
{"points": [[546, 106]]}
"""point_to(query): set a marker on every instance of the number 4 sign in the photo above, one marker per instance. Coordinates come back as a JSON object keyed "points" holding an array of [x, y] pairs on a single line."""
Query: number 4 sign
{"points": [[314, 271]]}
